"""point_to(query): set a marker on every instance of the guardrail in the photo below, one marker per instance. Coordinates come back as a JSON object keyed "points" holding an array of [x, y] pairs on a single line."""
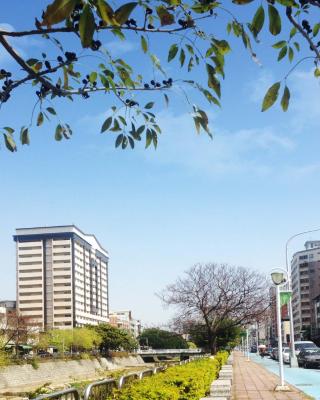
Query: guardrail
{"points": [[170, 351], [66, 394], [102, 390]]}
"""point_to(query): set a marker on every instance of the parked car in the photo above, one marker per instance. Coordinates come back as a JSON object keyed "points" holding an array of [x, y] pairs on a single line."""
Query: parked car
{"points": [[274, 353], [253, 349], [304, 344], [309, 357], [286, 355]]}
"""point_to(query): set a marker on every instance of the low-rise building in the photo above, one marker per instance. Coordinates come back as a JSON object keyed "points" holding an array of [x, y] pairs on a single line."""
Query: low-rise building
{"points": [[124, 320]]}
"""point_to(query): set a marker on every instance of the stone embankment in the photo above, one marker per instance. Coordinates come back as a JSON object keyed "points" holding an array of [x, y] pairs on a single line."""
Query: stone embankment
{"points": [[221, 388], [18, 378]]}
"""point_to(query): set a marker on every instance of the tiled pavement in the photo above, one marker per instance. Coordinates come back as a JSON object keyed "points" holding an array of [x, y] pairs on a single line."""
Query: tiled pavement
{"points": [[251, 381]]}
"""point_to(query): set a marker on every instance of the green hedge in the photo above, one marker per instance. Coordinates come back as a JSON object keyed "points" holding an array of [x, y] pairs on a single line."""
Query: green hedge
{"points": [[186, 382]]}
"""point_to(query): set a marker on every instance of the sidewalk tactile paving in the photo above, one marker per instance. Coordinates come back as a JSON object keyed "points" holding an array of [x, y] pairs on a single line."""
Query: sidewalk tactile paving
{"points": [[251, 381]]}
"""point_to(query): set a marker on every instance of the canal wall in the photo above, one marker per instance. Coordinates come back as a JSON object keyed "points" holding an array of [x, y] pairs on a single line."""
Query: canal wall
{"points": [[16, 378]]}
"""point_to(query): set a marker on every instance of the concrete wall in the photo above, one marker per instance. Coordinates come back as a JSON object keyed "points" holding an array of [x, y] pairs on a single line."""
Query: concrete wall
{"points": [[24, 377]]}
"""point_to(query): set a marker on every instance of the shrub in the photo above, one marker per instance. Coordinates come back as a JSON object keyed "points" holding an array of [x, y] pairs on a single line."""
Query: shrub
{"points": [[187, 382]]}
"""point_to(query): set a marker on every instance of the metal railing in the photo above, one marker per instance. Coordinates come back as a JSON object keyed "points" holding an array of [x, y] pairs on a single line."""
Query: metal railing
{"points": [[102, 390], [66, 394]]}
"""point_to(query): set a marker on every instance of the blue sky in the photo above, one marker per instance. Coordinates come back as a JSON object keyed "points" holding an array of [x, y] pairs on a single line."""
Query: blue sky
{"points": [[235, 199]]}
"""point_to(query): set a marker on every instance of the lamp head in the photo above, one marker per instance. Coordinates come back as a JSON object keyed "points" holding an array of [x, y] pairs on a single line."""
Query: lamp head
{"points": [[278, 277]]}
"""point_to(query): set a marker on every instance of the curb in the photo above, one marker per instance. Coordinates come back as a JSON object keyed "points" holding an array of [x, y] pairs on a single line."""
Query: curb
{"points": [[220, 389]]}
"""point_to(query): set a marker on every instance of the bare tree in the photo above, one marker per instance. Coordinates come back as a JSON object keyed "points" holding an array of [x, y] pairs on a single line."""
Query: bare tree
{"points": [[216, 294], [16, 329]]}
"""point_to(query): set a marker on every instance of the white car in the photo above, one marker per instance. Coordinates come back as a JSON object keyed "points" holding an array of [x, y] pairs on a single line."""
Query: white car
{"points": [[304, 344], [286, 355]]}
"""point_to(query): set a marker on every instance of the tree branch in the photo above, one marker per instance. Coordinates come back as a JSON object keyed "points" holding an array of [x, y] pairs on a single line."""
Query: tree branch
{"points": [[303, 33], [26, 67]]}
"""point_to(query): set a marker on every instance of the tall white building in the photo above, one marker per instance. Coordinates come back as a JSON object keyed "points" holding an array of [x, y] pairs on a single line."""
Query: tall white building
{"points": [[305, 266], [62, 277]]}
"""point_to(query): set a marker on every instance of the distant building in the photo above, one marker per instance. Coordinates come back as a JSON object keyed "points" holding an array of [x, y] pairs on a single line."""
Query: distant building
{"points": [[62, 277], [124, 320], [6, 307], [305, 266]]}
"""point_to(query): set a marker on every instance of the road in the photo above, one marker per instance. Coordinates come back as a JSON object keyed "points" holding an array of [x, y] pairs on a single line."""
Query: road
{"points": [[307, 380]]}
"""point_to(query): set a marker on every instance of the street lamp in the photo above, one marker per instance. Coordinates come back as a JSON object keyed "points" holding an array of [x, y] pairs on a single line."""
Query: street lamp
{"points": [[279, 277], [293, 357]]}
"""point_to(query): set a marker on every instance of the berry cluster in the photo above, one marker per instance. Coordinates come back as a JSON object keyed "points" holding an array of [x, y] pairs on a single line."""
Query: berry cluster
{"points": [[306, 26], [43, 91], [165, 83], [189, 23], [95, 45], [5, 95], [131, 103], [131, 22]]}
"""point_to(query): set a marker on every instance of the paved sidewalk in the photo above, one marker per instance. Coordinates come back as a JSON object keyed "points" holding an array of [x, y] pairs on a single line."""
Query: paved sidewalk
{"points": [[251, 381]]}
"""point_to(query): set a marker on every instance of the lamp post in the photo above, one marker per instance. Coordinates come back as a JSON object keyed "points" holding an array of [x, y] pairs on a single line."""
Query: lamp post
{"points": [[279, 278], [293, 357], [248, 354]]}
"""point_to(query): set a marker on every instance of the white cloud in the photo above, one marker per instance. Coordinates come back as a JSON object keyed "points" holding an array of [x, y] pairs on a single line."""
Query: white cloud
{"points": [[20, 44], [257, 88], [305, 102], [119, 47], [232, 153]]}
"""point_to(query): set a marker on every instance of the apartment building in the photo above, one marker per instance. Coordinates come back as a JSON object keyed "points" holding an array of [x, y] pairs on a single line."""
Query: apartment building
{"points": [[124, 320], [305, 266], [62, 277]]}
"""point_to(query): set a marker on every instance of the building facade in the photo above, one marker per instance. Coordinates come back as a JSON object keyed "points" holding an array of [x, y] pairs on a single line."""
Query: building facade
{"points": [[124, 320], [62, 277], [305, 266]]}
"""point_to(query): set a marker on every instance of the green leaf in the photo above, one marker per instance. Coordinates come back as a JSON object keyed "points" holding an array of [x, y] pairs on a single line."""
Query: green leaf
{"points": [[51, 110], [274, 20], [119, 140], [24, 136], [93, 77], [316, 29], [296, 45], [222, 45], [148, 138], [106, 125], [213, 82], [149, 105], [287, 3], [9, 142], [290, 54], [280, 44], [271, 96], [190, 64], [87, 26], [258, 21], [182, 57], [282, 53], [131, 142], [285, 99], [58, 133], [58, 11], [144, 44], [8, 129], [293, 32], [317, 72], [106, 13], [166, 18], [123, 13], [172, 52], [190, 49], [40, 119]]}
